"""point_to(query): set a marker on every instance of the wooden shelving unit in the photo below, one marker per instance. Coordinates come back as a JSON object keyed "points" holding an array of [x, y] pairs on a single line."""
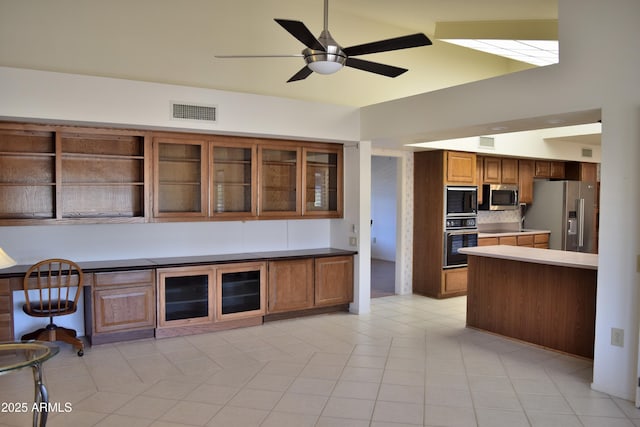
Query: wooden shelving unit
{"points": [[280, 181], [59, 174], [180, 177], [102, 175], [323, 173], [232, 180], [52, 174], [27, 174]]}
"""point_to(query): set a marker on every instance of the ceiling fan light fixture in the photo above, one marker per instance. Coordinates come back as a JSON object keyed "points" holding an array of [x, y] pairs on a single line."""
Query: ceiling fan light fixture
{"points": [[325, 67], [324, 62]]}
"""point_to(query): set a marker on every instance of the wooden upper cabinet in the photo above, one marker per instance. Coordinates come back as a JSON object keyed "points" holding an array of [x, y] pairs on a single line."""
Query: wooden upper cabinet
{"points": [[180, 178], [321, 182], [233, 191], [460, 168], [509, 169], [27, 174], [102, 175], [492, 170], [581, 171], [542, 169], [480, 177], [52, 174], [60, 174], [279, 180], [556, 170], [525, 181], [549, 169], [497, 170]]}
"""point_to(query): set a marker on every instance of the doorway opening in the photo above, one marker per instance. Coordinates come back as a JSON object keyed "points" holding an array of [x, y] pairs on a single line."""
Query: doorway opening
{"points": [[384, 215]]}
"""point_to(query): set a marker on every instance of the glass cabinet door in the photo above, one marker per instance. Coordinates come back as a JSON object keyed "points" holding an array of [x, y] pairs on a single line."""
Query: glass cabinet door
{"points": [[185, 296], [232, 181], [240, 291], [180, 173], [322, 175], [279, 180]]}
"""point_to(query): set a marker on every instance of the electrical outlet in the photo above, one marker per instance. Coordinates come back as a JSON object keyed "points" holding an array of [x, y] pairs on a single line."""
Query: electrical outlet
{"points": [[617, 337], [374, 240], [353, 241]]}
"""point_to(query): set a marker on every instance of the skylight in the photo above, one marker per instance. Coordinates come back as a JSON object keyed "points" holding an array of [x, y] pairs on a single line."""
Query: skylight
{"points": [[536, 52]]}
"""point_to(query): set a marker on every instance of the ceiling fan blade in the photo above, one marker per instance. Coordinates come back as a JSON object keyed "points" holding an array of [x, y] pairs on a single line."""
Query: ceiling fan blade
{"points": [[298, 55], [300, 75], [375, 67], [300, 31], [404, 42]]}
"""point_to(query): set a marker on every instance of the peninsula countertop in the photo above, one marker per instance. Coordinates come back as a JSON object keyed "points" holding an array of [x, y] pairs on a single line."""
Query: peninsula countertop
{"points": [[536, 255]]}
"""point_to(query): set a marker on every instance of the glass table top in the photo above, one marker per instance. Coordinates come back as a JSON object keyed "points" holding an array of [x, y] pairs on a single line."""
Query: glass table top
{"points": [[18, 355]]}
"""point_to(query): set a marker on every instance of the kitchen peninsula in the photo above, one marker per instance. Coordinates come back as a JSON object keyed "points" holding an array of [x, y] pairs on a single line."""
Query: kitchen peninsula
{"points": [[541, 296]]}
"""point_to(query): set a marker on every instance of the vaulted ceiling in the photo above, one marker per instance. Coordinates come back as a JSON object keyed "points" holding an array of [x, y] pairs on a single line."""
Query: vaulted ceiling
{"points": [[175, 42]]}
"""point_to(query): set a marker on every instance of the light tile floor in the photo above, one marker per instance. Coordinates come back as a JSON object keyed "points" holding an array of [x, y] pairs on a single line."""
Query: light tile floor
{"points": [[410, 362]]}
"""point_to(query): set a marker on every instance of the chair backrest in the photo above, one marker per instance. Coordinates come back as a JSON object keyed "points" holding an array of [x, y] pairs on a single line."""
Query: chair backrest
{"points": [[57, 283]]}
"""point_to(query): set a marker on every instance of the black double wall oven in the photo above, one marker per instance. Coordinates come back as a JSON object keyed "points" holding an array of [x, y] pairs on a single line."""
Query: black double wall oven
{"points": [[460, 223]]}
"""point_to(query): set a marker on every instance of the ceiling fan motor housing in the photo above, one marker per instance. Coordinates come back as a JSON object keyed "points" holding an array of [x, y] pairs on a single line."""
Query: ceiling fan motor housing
{"points": [[328, 61]]}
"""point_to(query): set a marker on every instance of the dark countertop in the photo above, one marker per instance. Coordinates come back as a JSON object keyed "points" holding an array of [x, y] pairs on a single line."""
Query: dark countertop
{"points": [[167, 262]]}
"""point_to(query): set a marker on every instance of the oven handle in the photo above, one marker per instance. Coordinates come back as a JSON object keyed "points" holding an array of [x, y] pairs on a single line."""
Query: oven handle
{"points": [[460, 232]]}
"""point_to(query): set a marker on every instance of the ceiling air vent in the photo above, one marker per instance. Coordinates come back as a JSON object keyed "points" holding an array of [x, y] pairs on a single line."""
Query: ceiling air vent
{"points": [[487, 142], [587, 152], [182, 111]]}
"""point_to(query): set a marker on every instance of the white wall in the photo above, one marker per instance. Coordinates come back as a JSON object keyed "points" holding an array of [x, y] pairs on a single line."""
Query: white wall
{"points": [[357, 212], [47, 96], [598, 69], [29, 244]]}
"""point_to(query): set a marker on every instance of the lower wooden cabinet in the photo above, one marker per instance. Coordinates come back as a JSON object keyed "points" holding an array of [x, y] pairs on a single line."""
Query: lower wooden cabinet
{"points": [[310, 283], [185, 296], [454, 281], [290, 285], [333, 280], [240, 291], [210, 298], [508, 240], [122, 306], [540, 240]]}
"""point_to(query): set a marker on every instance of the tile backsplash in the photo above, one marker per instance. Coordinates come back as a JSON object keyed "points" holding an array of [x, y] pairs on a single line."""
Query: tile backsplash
{"points": [[489, 217]]}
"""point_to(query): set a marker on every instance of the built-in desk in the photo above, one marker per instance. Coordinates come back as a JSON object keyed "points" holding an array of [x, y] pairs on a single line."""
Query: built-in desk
{"points": [[125, 299], [542, 296]]}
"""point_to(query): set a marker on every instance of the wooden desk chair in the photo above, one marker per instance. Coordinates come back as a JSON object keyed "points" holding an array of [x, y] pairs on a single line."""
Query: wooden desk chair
{"points": [[58, 283]]}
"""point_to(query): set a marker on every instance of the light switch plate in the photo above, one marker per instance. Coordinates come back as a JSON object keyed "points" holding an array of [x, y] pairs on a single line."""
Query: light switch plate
{"points": [[353, 241], [617, 337]]}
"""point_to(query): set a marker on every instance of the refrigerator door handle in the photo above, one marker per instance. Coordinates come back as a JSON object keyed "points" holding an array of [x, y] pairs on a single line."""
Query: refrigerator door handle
{"points": [[580, 223]]}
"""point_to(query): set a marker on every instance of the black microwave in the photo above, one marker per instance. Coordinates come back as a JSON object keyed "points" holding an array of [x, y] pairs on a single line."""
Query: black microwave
{"points": [[460, 200]]}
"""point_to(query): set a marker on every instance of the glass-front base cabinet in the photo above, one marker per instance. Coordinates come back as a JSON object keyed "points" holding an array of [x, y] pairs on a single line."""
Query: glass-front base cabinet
{"points": [[206, 298]]}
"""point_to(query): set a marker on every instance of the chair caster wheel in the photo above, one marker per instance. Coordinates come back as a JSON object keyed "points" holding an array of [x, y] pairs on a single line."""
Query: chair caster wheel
{"points": [[80, 353]]}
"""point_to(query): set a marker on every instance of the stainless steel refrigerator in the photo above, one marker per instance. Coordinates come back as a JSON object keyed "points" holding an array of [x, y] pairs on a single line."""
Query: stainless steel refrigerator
{"points": [[567, 209]]}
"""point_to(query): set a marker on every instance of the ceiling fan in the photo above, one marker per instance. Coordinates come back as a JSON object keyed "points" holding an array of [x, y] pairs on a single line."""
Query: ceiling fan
{"points": [[324, 55]]}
